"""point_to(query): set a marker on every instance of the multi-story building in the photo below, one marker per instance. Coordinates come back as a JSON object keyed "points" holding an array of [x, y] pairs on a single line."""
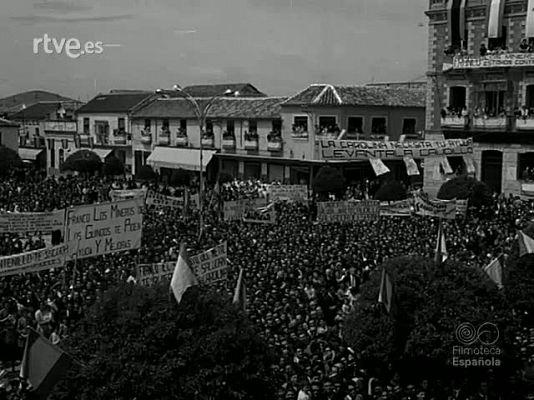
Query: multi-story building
{"points": [[375, 113], [104, 124], [481, 85], [9, 134]]}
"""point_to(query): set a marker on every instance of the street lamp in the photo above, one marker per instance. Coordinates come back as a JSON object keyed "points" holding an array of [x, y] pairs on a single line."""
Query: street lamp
{"points": [[201, 114]]}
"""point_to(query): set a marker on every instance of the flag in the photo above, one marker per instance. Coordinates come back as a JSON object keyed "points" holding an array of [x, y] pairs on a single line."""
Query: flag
{"points": [[183, 276], [469, 164], [494, 271], [378, 166], [240, 292], [436, 173], [441, 248], [385, 296], [444, 161], [411, 166], [43, 364], [526, 244]]}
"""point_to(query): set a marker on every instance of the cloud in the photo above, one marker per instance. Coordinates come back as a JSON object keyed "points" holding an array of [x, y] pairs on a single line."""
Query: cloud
{"points": [[61, 6], [35, 19]]}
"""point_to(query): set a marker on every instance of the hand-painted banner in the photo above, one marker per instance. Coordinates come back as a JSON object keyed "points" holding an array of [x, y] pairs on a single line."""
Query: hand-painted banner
{"points": [[363, 150], [34, 261], [151, 274], [298, 193], [238, 209], [434, 208], [402, 208], [211, 265], [160, 200], [348, 211], [32, 222], [503, 60], [461, 208], [117, 195], [104, 228]]}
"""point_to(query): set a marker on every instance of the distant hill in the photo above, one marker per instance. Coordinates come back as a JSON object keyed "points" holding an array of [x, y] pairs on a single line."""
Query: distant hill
{"points": [[12, 104]]}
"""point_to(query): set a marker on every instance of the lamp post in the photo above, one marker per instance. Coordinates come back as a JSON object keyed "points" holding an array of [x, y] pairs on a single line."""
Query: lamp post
{"points": [[201, 114]]}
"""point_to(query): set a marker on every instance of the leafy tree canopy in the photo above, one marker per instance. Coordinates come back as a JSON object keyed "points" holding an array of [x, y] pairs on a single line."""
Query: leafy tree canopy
{"points": [[391, 191], [9, 160], [465, 187], [83, 161], [136, 342], [328, 180]]}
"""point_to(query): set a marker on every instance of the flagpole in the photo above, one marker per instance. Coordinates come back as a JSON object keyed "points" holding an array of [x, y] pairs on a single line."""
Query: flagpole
{"points": [[75, 264]]}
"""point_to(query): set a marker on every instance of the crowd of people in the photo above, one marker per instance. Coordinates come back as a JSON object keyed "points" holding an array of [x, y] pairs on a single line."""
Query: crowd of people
{"points": [[302, 279]]}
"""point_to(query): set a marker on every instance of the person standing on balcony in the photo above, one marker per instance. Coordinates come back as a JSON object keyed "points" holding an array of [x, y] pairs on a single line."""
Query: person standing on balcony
{"points": [[483, 50]]}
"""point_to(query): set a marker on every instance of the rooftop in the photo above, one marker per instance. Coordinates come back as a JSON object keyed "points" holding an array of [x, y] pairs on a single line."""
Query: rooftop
{"points": [[42, 110], [115, 102], [244, 89], [4, 123], [377, 96], [14, 103]]}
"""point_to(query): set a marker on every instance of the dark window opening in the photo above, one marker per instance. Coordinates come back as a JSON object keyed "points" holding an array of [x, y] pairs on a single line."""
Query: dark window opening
{"points": [[300, 124], [277, 126], [457, 99], [86, 126], [148, 124], [165, 125], [355, 125], [494, 103], [495, 44], [183, 127], [209, 126], [122, 124], [379, 126], [530, 97], [252, 126], [230, 127], [525, 167], [408, 126]]}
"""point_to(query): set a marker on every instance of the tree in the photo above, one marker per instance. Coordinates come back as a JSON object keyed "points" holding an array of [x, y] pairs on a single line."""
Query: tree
{"points": [[391, 191], [9, 160], [113, 166], [328, 180], [145, 173], [180, 177], [431, 303], [465, 187], [138, 343], [83, 161]]}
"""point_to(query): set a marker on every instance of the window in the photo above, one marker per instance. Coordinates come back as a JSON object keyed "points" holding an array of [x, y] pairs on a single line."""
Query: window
{"points": [[61, 157], [300, 124], [1, 143], [494, 103], [209, 126], [457, 98], [230, 127], [37, 131], [327, 122], [354, 125], [498, 43], [408, 126], [277, 126], [525, 167], [530, 97], [378, 126], [165, 125], [64, 143], [52, 149], [121, 124], [183, 126], [252, 126], [148, 124], [86, 126]]}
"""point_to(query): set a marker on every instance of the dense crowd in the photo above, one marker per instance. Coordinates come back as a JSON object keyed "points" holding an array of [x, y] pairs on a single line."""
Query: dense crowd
{"points": [[302, 279]]}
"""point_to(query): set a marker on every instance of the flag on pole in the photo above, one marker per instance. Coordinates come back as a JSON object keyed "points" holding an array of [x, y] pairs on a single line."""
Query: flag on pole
{"points": [[526, 244], [494, 271], [183, 276], [378, 166], [385, 296], [411, 166], [43, 364], [240, 292], [441, 247]]}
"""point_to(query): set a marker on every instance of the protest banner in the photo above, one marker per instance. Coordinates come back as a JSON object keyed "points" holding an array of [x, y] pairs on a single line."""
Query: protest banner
{"points": [[424, 206], [151, 274], [34, 261], [401, 208], [298, 193], [237, 210], [211, 265], [348, 211], [363, 149], [160, 200], [461, 208], [32, 222], [117, 195], [104, 228]]}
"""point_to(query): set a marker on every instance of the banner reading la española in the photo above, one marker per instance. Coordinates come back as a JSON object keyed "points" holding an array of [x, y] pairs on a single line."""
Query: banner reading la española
{"points": [[98, 229], [363, 149]]}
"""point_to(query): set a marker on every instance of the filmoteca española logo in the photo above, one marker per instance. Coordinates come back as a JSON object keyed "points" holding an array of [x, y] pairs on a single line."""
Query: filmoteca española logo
{"points": [[486, 333], [478, 345]]}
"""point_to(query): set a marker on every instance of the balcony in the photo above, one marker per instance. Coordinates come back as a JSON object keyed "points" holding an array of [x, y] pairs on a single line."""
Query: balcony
{"points": [[489, 122], [251, 143], [228, 143], [164, 137], [300, 132], [208, 142], [120, 137], [146, 136], [454, 122], [274, 145], [60, 126], [524, 124], [182, 141]]}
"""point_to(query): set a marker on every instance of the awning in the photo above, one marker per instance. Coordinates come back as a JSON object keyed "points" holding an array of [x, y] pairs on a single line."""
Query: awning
{"points": [[102, 153], [174, 158], [29, 154]]}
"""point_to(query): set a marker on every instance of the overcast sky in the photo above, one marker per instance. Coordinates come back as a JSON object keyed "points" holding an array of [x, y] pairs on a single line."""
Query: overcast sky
{"points": [[280, 46]]}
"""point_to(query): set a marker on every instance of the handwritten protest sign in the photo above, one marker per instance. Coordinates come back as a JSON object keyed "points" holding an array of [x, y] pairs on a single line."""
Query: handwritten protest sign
{"points": [[211, 265], [34, 261], [348, 211], [298, 193], [461, 208], [425, 206], [151, 274], [238, 209], [32, 222], [401, 208], [160, 200], [117, 195], [104, 228]]}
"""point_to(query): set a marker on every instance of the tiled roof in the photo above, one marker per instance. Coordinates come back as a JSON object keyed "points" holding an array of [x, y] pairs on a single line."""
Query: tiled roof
{"points": [[358, 96], [14, 103], [244, 89], [114, 102], [7, 124], [238, 108], [42, 110]]}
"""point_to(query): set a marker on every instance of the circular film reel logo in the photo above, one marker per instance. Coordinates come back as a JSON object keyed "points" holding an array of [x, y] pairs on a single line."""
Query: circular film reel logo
{"points": [[487, 333]]}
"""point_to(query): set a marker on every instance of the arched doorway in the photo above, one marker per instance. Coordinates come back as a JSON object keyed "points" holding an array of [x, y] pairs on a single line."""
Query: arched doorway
{"points": [[491, 169]]}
